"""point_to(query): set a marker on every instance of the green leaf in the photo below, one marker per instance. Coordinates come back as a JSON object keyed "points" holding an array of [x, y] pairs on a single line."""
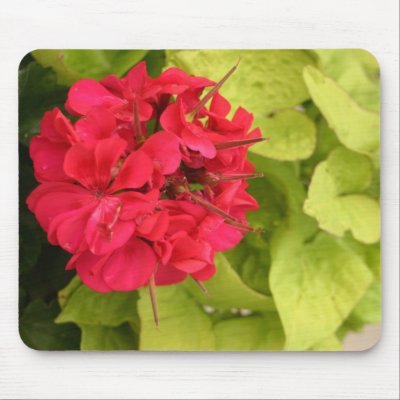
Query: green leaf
{"points": [[155, 61], [285, 179], [356, 71], [262, 332], [265, 81], [251, 258], [334, 201], [272, 206], [100, 337], [371, 254], [48, 275], [316, 282], [350, 171], [330, 343], [251, 264], [65, 294], [87, 307], [38, 92], [72, 65], [31, 239], [355, 127], [369, 308], [183, 323], [280, 193], [326, 142], [311, 110], [31, 236], [226, 290], [292, 136], [38, 330]]}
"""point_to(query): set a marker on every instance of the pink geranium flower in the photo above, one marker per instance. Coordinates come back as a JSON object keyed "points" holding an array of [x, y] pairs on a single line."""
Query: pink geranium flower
{"points": [[94, 214], [148, 183]]}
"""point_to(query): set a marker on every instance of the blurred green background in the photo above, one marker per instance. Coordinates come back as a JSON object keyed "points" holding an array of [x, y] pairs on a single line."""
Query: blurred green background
{"points": [[308, 280]]}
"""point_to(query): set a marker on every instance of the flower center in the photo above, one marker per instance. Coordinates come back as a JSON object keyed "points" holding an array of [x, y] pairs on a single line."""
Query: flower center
{"points": [[98, 193]]}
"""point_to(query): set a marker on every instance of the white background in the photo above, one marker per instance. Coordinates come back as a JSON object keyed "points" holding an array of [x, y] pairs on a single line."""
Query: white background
{"points": [[26, 25]]}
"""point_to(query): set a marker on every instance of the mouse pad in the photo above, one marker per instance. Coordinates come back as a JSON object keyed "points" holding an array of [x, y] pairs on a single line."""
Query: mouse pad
{"points": [[199, 200]]}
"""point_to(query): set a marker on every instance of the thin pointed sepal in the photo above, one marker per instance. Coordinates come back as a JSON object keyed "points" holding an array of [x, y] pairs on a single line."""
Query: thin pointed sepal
{"points": [[198, 107], [201, 286], [136, 123], [238, 143], [153, 298]]}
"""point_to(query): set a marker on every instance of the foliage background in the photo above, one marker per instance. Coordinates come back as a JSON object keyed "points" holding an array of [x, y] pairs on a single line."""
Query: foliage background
{"points": [[309, 279]]}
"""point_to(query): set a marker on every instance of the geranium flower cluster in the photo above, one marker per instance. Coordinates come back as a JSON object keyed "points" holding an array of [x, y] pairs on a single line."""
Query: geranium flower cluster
{"points": [[148, 182]]}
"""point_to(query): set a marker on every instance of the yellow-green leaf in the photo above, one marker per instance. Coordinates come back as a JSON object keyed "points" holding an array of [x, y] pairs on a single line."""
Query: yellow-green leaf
{"points": [[315, 283], [356, 128], [330, 343], [265, 81], [356, 71], [335, 202], [292, 136], [262, 332], [101, 337], [72, 65], [87, 307], [226, 290], [183, 323]]}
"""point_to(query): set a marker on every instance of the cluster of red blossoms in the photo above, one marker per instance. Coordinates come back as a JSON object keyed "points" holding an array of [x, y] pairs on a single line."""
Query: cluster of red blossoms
{"points": [[148, 182]]}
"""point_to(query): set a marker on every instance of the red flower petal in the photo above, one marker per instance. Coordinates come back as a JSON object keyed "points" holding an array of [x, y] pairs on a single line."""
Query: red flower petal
{"points": [[80, 165], [175, 81], [179, 207], [163, 250], [189, 255], [171, 119], [221, 236], [114, 85], [88, 267], [69, 229], [189, 265], [196, 139], [51, 199], [168, 275], [104, 232], [137, 77], [136, 203], [183, 222], [154, 227], [163, 149], [48, 159], [205, 274], [98, 124], [125, 112], [91, 164], [134, 173], [243, 118], [219, 105], [129, 267], [56, 127], [88, 93], [107, 153]]}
